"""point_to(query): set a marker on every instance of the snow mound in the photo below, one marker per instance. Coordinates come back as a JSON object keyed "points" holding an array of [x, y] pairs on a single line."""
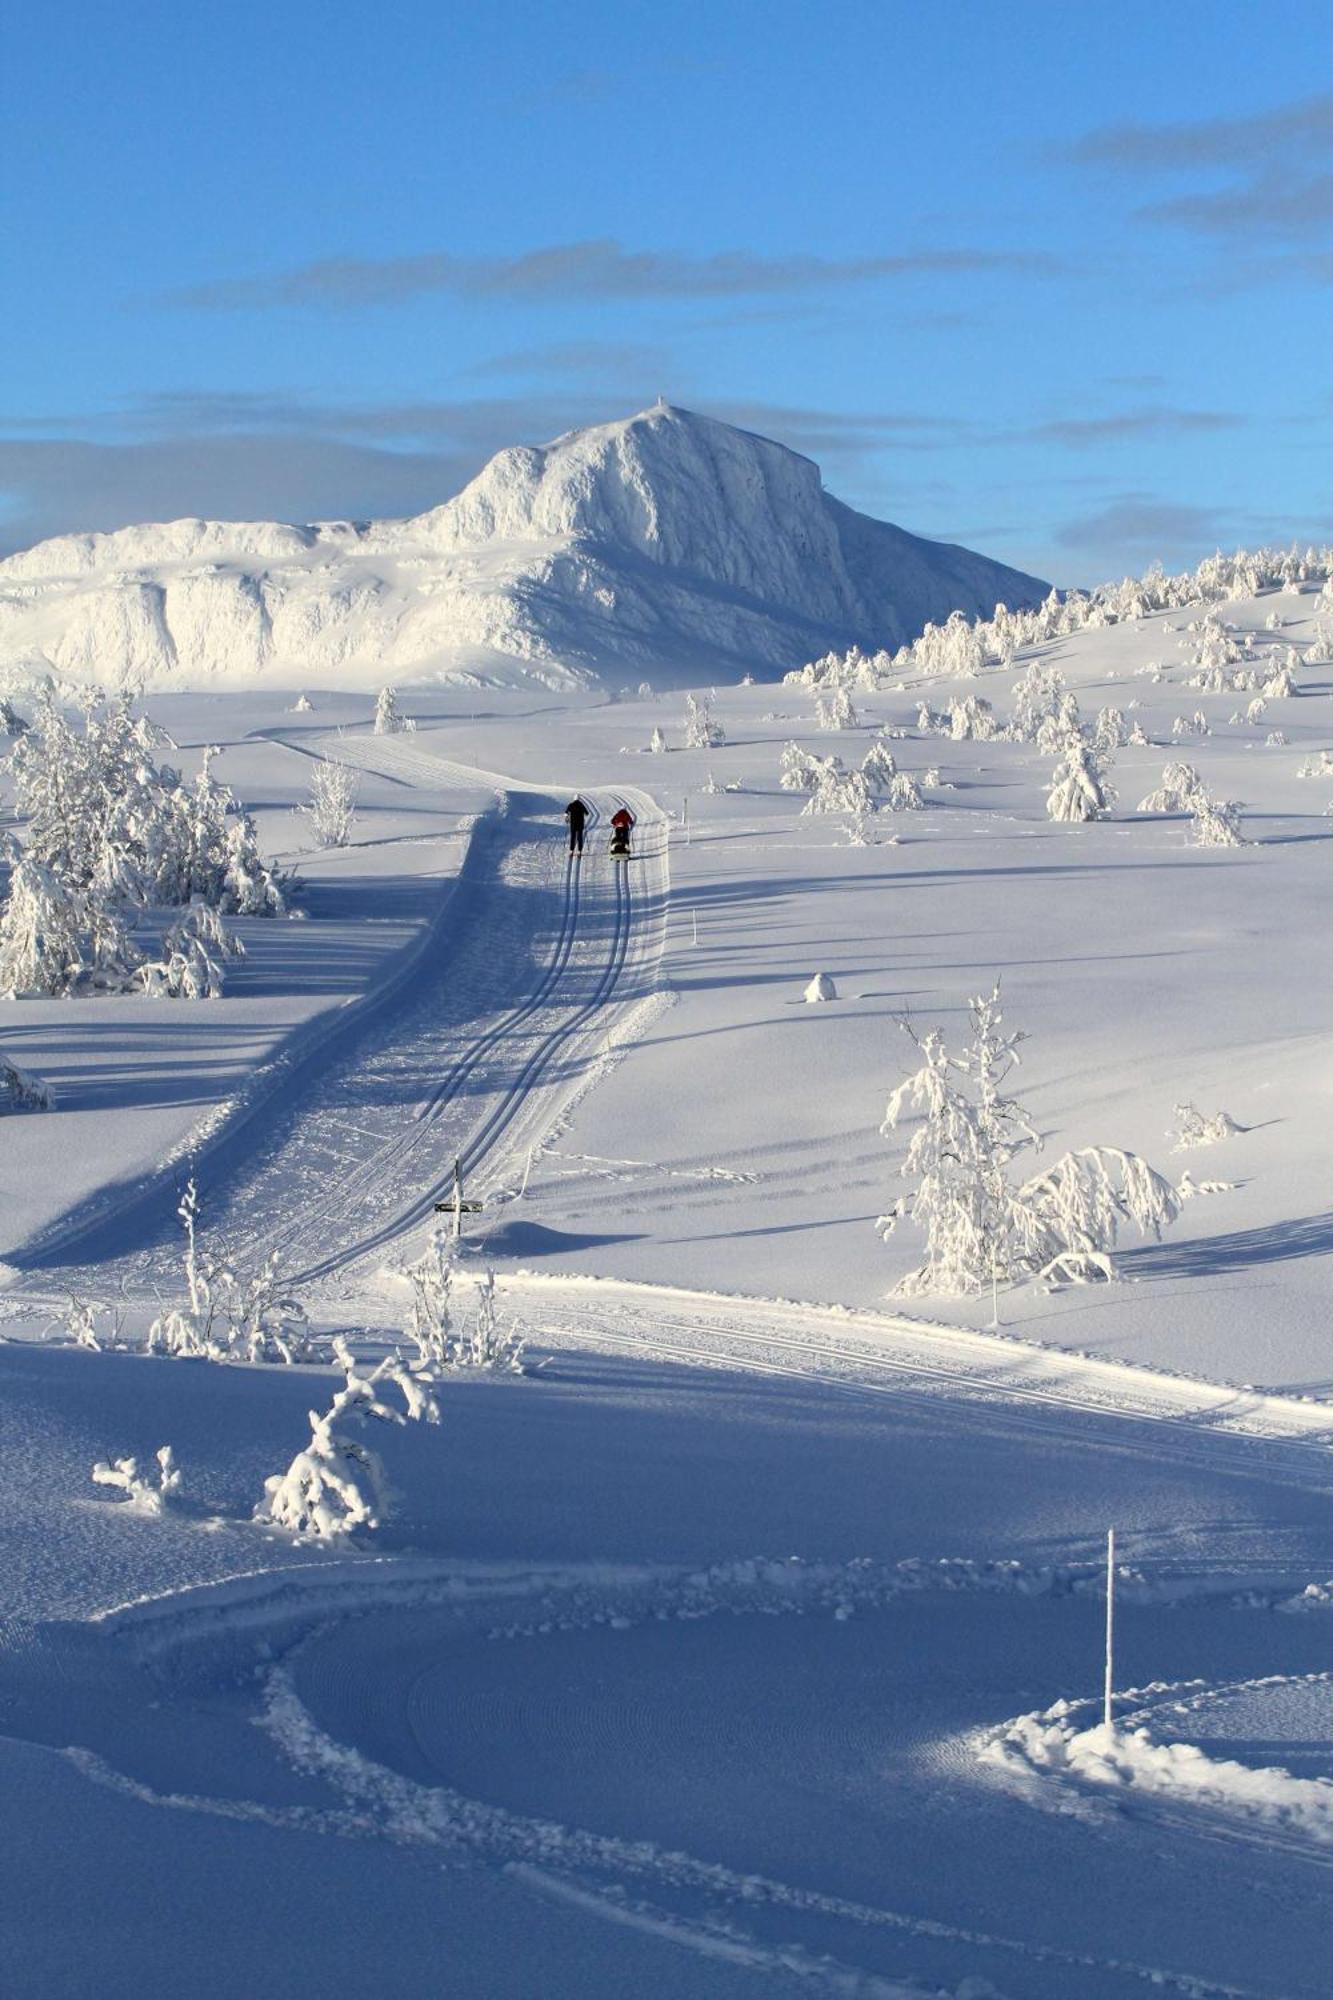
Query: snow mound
{"points": [[1128, 1761], [821, 987], [665, 541]]}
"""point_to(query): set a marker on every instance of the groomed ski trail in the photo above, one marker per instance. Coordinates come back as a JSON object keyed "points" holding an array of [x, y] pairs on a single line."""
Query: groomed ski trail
{"points": [[354, 1153]]}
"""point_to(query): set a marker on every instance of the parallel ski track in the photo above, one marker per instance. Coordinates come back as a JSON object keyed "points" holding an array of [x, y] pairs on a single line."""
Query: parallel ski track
{"points": [[1189, 1439], [497, 1123], [483, 1142]]}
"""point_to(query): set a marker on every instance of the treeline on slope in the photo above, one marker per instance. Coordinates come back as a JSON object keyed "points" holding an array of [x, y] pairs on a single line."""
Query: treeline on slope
{"points": [[111, 832], [963, 646]]}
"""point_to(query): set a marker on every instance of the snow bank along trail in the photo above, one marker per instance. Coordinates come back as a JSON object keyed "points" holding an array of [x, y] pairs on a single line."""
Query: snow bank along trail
{"points": [[899, 1355]]}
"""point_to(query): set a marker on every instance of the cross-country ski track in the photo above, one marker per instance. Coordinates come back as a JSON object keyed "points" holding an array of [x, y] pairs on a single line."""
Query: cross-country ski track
{"points": [[530, 972]]}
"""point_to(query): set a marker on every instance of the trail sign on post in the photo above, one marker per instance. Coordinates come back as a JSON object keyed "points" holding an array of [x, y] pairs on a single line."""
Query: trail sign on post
{"points": [[456, 1204]]}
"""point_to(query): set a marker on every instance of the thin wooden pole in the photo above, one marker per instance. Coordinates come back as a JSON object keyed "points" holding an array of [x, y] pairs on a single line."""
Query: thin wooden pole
{"points": [[1107, 1716]]}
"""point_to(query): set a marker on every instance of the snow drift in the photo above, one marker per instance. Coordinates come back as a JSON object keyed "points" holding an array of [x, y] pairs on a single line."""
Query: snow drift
{"points": [[666, 543]]}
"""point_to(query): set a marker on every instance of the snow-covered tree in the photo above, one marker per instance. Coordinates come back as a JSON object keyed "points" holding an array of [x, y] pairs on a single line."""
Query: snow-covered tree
{"points": [[430, 1325], [657, 743], [701, 732], [22, 1090], [1037, 693], [983, 1228], [799, 770], [56, 940], [302, 705], [879, 765], [1215, 822], [1180, 784], [331, 807], [194, 951], [388, 718], [972, 720], [905, 793], [1079, 789], [837, 790], [1061, 729], [265, 1319], [1109, 732], [834, 710]]}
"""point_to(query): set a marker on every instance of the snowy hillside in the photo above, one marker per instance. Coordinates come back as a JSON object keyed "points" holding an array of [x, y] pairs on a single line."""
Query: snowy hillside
{"points": [[667, 545]]}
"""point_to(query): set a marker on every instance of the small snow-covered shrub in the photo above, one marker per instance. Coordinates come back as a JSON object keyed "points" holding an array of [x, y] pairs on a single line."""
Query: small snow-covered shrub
{"points": [[1319, 765], [148, 1492], [657, 742], [1079, 789], [302, 705], [388, 717], [487, 1341], [193, 954], [21, 1090], [336, 1483], [820, 989], [229, 1314], [331, 807], [1198, 1128], [1191, 725]]}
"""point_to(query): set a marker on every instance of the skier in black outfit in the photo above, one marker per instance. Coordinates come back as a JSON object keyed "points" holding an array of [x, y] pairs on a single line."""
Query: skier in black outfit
{"points": [[577, 815]]}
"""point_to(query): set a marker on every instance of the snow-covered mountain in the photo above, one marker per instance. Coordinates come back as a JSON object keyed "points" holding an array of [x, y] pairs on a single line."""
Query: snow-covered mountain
{"points": [[665, 544]]}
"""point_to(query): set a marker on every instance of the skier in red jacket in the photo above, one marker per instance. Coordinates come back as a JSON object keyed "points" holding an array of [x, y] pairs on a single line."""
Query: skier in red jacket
{"points": [[622, 823]]}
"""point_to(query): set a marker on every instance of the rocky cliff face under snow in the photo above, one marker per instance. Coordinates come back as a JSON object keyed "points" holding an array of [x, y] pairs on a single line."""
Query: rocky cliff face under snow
{"points": [[667, 545]]}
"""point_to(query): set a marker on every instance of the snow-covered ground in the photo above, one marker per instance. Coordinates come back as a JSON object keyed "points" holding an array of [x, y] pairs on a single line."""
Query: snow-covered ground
{"points": [[751, 1642]]}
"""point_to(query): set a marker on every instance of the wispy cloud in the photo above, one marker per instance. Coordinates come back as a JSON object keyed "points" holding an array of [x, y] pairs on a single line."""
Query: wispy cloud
{"points": [[599, 358], [1274, 168], [599, 268], [1291, 130], [1136, 526], [1081, 433]]}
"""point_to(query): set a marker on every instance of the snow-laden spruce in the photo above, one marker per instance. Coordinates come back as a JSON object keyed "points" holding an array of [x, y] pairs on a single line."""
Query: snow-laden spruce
{"points": [[701, 731], [1079, 787], [388, 717], [331, 807], [982, 1226], [55, 939]]}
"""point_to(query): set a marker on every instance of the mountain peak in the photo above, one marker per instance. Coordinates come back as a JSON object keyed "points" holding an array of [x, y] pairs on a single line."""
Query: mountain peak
{"points": [[666, 541]]}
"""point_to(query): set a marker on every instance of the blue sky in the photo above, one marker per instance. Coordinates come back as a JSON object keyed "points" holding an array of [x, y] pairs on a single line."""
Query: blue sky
{"points": [[1051, 279]]}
